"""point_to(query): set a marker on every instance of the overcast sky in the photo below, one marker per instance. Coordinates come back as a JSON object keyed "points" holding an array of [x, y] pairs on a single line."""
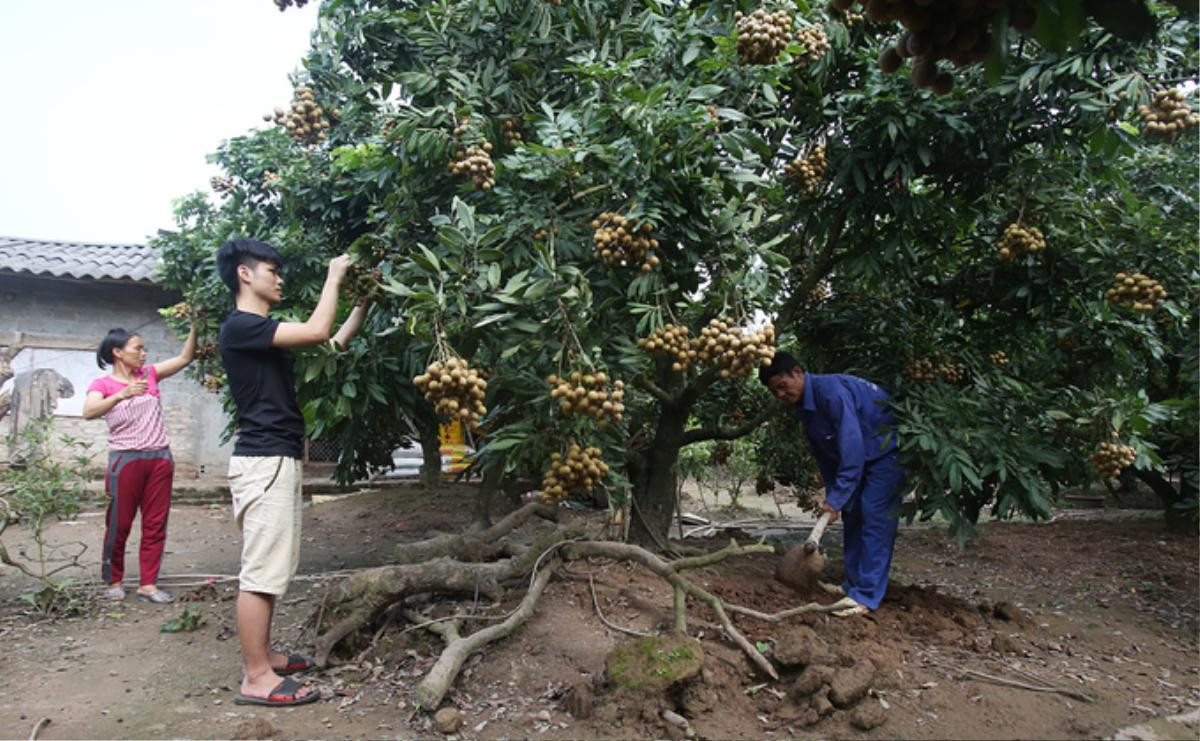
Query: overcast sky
{"points": [[110, 106]]}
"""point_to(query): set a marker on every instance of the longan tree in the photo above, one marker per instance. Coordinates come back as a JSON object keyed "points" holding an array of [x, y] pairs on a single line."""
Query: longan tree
{"points": [[658, 195]]}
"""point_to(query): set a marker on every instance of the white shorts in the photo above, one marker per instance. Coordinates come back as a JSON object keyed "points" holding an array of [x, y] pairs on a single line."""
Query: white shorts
{"points": [[266, 507]]}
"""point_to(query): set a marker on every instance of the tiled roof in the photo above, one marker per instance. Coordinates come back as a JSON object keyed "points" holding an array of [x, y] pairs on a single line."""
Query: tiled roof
{"points": [[117, 262]]}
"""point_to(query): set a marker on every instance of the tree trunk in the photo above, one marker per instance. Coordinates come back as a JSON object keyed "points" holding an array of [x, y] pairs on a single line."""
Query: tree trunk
{"points": [[1177, 520], [492, 478], [654, 481], [431, 449]]}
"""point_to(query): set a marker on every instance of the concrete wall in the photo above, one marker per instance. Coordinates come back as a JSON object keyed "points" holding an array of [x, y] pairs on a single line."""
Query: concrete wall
{"points": [[69, 318]]}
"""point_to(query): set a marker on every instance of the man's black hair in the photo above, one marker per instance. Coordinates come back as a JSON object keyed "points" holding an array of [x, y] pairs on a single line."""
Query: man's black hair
{"points": [[114, 340], [783, 362], [243, 251]]}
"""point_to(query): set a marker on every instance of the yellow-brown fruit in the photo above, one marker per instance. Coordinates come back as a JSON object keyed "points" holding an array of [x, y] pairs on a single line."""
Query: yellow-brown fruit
{"points": [[589, 395], [304, 120], [1136, 291], [575, 473], [620, 242], [807, 172], [1110, 458], [1168, 115], [738, 351], [673, 342], [455, 389], [816, 44], [999, 358], [925, 370], [1019, 240], [762, 35], [889, 60], [476, 163]]}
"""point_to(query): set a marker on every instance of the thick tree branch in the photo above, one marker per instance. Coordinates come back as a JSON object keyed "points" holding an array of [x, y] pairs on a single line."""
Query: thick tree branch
{"points": [[724, 433], [820, 267], [654, 390]]}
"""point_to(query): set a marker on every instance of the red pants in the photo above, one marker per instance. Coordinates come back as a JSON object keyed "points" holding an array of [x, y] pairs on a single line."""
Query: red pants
{"points": [[136, 480]]}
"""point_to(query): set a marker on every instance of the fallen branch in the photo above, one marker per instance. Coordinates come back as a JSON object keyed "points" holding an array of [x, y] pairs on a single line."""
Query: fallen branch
{"points": [[433, 687], [1075, 694]]}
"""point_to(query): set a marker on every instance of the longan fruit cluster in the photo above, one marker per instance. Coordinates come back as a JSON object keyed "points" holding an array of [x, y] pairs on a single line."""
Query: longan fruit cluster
{"points": [[306, 121], [931, 369], [619, 241], [845, 10], [673, 341], [455, 389], [999, 357], [269, 179], [1136, 291], [761, 36], [806, 172], [578, 473], [181, 311], [1168, 115], [819, 293], [205, 352], [362, 284], [221, 184], [1018, 240], [954, 30], [512, 134], [816, 44], [476, 163], [740, 351], [213, 382], [1110, 458], [588, 394]]}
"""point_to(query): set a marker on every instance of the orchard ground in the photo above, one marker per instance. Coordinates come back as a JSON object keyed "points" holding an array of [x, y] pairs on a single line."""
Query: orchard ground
{"points": [[1100, 604]]}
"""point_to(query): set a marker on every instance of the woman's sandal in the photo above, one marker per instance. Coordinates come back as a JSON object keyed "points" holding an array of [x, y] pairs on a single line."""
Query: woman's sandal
{"points": [[158, 597], [114, 593]]}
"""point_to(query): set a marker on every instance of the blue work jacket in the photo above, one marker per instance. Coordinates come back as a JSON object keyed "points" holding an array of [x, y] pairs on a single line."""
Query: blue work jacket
{"points": [[845, 419]]}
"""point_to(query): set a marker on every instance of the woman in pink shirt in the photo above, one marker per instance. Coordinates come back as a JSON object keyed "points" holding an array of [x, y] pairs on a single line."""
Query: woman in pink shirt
{"points": [[140, 467]]}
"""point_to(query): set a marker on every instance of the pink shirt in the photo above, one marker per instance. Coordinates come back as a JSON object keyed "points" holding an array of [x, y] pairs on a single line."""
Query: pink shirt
{"points": [[135, 423]]}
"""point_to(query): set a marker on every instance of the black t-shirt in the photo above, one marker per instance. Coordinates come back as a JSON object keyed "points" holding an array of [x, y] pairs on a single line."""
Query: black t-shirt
{"points": [[263, 387]]}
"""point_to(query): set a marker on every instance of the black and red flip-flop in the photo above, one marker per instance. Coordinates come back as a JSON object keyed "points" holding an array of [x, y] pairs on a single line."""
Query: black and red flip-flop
{"points": [[283, 695], [296, 663]]}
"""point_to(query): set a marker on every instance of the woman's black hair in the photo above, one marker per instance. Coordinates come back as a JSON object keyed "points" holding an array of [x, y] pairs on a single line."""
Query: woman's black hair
{"points": [[114, 340]]}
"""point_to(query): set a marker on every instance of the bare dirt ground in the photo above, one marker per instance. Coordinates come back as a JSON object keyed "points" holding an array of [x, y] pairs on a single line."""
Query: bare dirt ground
{"points": [[1100, 612]]}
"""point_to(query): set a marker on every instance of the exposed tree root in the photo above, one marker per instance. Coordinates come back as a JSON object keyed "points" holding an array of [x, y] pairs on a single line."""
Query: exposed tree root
{"points": [[358, 600], [473, 545], [437, 682], [670, 572]]}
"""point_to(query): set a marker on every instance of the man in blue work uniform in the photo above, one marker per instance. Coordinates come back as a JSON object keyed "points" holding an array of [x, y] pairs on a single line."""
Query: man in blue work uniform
{"points": [[846, 421]]}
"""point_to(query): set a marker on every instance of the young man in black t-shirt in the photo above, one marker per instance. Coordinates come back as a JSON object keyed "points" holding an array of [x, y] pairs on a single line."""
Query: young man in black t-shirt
{"points": [[265, 469]]}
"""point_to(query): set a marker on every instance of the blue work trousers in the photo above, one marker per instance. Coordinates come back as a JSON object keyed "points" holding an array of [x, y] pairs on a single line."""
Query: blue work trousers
{"points": [[869, 522]]}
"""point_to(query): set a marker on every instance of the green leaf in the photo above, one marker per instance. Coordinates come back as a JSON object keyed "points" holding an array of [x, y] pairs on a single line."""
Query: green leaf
{"points": [[705, 92]]}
